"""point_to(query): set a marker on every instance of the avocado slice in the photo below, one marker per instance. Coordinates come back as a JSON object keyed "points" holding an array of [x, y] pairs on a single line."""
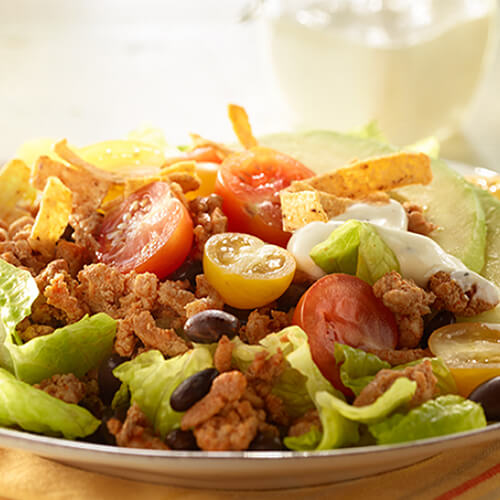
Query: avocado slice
{"points": [[450, 202], [491, 208]]}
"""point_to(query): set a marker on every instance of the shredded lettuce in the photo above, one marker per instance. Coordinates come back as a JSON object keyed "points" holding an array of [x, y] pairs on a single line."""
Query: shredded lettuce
{"points": [[355, 248], [436, 417], [75, 348], [151, 380], [34, 410]]}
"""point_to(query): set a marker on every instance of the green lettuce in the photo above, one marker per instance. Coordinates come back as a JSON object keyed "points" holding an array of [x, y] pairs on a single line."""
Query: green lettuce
{"points": [[151, 380], [34, 410], [355, 248], [305, 442], [398, 395], [445, 382], [337, 430], [75, 348], [357, 367], [436, 417], [428, 145], [370, 131]]}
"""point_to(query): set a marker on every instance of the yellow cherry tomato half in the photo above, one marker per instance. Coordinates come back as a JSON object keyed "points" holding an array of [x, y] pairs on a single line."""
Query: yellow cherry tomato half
{"points": [[470, 350], [124, 155], [207, 172], [247, 272]]}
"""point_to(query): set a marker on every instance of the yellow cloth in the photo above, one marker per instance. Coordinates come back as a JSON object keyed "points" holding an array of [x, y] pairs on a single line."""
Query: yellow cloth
{"points": [[467, 473]]}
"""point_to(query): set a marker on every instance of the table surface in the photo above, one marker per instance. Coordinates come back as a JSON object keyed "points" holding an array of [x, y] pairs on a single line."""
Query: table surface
{"points": [[96, 69]]}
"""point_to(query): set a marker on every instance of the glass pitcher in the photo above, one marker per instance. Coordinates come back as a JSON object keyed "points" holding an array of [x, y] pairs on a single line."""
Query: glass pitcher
{"points": [[413, 66]]}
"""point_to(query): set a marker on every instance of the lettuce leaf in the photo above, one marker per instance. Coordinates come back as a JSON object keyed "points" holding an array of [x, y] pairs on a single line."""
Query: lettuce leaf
{"points": [[445, 382], [75, 348], [305, 442], [437, 417], [35, 410], [337, 430], [355, 248], [151, 380], [358, 367], [400, 393]]}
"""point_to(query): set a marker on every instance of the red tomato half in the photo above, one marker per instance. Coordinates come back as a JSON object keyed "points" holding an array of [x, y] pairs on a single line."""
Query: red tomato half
{"points": [[249, 183], [150, 231], [342, 308]]}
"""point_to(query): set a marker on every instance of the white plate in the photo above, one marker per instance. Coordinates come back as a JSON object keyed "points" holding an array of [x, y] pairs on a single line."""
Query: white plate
{"points": [[246, 470], [242, 470]]}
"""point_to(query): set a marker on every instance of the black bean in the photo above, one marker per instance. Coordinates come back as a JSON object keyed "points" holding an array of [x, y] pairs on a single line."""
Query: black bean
{"points": [[209, 326], [191, 390], [266, 441], [181, 440], [488, 395], [187, 271], [433, 322], [102, 434], [108, 383]]}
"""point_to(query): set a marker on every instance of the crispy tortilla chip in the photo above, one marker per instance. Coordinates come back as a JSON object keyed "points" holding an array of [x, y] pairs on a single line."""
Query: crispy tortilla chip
{"points": [[491, 184], [52, 218], [241, 126], [16, 189], [88, 191], [67, 154], [183, 173], [375, 174], [301, 208]]}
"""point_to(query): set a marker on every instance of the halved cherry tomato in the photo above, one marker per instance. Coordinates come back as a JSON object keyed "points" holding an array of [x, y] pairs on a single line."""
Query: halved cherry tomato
{"points": [[470, 350], [249, 183], [245, 271], [342, 308], [150, 231]]}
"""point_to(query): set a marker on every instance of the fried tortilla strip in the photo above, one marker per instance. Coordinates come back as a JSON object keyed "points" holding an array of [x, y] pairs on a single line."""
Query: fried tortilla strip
{"points": [[491, 184], [52, 217], [301, 208], [359, 179], [67, 154], [183, 173], [241, 126], [88, 190], [16, 188]]}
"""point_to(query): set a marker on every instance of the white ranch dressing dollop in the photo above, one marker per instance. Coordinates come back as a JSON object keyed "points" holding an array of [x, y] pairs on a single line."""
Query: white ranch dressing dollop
{"points": [[419, 256]]}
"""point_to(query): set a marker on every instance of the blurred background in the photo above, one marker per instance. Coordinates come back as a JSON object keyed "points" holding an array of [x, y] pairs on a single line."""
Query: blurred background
{"points": [[96, 69]]}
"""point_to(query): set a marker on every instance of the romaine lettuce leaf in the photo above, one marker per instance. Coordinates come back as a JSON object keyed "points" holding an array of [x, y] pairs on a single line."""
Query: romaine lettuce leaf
{"points": [[445, 382], [35, 410], [75, 348], [355, 248], [400, 393], [357, 367], [152, 379], [291, 386], [305, 442], [437, 417], [337, 430]]}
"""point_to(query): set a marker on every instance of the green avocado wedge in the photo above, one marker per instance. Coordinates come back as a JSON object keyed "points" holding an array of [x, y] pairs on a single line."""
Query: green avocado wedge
{"points": [[450, 202]]}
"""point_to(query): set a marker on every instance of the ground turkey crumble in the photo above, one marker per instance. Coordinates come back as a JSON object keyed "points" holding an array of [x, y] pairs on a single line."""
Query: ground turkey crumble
{"points": [[408, 302]]}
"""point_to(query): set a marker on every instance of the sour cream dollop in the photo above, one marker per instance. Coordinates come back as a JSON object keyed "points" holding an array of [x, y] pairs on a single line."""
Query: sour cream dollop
{"points": [[419, 256]]}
